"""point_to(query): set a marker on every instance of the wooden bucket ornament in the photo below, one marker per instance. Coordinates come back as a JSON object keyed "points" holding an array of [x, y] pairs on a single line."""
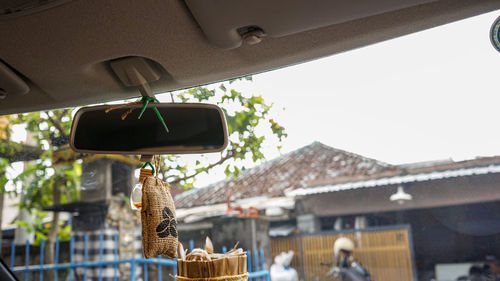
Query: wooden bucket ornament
{"points": [[205, 265], [159, 223]]}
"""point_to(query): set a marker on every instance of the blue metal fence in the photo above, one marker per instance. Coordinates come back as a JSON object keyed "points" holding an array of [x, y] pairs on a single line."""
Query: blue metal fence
{"points": [[35, 272]]}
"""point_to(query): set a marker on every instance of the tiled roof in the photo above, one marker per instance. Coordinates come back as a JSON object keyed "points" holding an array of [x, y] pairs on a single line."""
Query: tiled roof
{"points": [[311, 165]]}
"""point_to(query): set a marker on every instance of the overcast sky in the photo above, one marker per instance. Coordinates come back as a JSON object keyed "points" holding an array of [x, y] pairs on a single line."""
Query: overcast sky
{"points": [[425, 96]]}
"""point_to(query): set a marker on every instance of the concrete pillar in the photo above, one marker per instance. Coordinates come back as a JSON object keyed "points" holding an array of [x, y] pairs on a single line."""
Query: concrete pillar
{"points": [[251, 233], [122, 177], [101, 179], [308, 223], [96, 180]]}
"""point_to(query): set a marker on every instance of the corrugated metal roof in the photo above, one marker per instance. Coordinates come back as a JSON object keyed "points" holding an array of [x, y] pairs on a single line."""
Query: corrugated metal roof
{"points": [[401, 179]]}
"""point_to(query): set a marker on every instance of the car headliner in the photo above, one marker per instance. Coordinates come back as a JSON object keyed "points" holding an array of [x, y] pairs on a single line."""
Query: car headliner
{"points": [[63, 53]]}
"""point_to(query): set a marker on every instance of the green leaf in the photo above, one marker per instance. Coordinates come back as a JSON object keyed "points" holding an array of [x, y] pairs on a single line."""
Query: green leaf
{"points": [[227, 171], [223, 88], [21, 223]]}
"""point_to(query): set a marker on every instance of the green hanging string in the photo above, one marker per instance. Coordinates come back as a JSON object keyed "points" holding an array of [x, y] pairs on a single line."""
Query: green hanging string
{"points": [[146, 101], [150, 165]]}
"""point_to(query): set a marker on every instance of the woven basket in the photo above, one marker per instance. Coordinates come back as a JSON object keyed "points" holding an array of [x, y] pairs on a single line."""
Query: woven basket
{"points": [[213, 267]]}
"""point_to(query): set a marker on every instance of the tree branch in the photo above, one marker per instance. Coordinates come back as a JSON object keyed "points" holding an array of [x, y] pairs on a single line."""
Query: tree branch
{"points": [[14, 152], [57, 123], [25, 153], [228, 156]]}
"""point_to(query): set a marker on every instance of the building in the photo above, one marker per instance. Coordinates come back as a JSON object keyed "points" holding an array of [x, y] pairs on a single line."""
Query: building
{"points": [[452, 213]]}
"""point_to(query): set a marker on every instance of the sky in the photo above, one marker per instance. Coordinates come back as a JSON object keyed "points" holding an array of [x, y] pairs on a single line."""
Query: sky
{"points": [[426, 96]]}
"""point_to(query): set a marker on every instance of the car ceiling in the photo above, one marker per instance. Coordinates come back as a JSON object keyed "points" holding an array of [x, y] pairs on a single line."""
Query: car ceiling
{"points": [[62, 54]]}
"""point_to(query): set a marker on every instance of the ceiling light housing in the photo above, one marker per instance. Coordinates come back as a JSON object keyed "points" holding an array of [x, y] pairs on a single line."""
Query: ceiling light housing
{"points": [[401, 196]]}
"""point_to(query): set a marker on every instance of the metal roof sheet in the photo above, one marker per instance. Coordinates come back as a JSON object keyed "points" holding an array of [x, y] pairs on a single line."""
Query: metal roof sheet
{"points": [[436, 175]]}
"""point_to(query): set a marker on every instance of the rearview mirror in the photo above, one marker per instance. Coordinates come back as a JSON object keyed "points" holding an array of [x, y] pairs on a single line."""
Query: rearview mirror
{"points": [[192, 128]]}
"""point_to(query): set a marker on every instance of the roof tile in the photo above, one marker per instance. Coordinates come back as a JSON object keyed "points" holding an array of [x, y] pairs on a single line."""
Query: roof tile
{"points": [[308, 166]]}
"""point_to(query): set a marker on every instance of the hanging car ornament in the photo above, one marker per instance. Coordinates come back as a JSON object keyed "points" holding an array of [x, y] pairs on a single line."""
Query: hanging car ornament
{"points": [[159, 223], [151, 196], [205, 265], [145, 101], [136, 194]]}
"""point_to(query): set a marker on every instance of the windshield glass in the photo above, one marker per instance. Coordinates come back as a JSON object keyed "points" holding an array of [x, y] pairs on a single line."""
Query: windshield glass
{"points": [[382, 162]]}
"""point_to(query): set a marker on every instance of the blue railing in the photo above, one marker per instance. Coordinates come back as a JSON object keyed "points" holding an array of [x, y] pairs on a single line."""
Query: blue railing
{"points": [[35, 272]]}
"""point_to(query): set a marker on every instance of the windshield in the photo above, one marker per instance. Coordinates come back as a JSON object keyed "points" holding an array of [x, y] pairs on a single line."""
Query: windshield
{"points": [[382, 162]]}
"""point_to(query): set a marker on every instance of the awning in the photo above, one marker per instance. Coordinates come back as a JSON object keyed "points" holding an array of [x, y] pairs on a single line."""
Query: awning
{"points": [[283, 230], [189, 215]]}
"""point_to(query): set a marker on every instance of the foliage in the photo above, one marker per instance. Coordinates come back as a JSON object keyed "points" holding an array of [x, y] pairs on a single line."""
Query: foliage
{"points": [[4, 163], [41, 178], [41, 229], [248, 125], [5, 149], [36, 226]]}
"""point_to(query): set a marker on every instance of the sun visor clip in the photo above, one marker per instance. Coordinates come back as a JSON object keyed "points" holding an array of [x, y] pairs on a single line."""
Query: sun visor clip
{"points": [[11, 83]]}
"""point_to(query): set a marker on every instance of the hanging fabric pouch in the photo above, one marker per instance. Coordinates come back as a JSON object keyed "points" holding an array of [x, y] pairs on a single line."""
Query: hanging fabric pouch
{"points": [[159, 224]]}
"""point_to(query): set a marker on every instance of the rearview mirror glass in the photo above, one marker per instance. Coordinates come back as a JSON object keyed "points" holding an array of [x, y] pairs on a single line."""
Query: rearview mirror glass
{"points": [[192, 128]]}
